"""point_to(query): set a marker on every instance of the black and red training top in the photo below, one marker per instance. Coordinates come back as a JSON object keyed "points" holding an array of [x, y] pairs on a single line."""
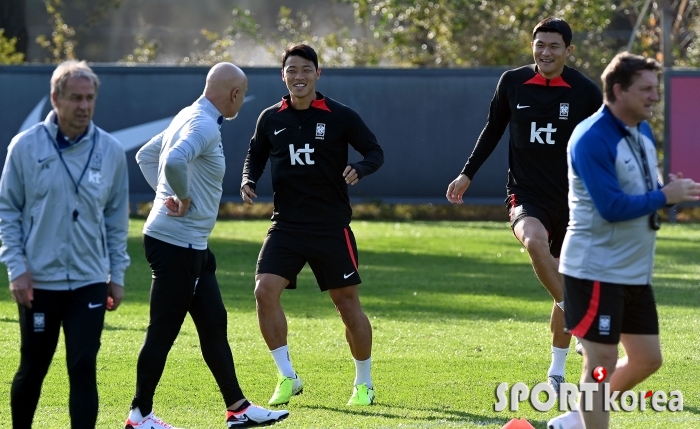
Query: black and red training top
{"points": [[308, 152], [542, 114]]}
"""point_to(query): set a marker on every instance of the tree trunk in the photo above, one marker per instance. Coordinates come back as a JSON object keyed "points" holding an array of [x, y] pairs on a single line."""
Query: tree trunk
{"points": [[13, 18]]}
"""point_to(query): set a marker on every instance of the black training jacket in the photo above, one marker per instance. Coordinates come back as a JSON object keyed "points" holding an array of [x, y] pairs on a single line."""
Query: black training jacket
{"points": [[308, 152], [542, 114]]}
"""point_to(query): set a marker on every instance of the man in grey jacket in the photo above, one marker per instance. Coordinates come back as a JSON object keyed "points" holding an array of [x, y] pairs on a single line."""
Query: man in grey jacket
{"points": [[63, 225], [185, 165]]}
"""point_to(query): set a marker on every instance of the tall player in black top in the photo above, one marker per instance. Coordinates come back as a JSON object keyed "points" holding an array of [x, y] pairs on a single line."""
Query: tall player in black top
{"points": [[543, 103], [306, 138]]}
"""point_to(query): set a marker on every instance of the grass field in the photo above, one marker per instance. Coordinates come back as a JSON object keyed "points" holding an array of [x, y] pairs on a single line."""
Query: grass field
{"points": [[455, 309]]}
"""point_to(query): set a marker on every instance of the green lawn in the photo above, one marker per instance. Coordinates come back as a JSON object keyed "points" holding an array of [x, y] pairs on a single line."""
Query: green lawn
{"points": [[455, 309]]}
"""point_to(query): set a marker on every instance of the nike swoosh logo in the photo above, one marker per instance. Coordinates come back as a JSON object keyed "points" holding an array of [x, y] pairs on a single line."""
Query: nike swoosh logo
{"points": [[345, 276], [42, 160], [130, 138], [239, 420], [91, 305], [627, 161], [277, 132], [521, 107]]}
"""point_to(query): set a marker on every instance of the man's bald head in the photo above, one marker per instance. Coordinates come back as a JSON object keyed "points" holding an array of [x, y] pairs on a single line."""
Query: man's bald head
{"points": [[225, 88]]}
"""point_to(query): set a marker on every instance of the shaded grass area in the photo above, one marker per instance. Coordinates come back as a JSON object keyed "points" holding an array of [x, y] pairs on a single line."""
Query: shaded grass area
{"points": [[455, 310]]}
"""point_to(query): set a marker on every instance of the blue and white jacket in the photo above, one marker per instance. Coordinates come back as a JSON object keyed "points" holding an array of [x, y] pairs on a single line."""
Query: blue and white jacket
{"points": [[608, 238]]}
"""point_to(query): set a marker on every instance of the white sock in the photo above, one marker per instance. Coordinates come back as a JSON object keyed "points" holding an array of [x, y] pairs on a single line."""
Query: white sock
{"points": [[135, 415], [362, 372], [283, 362], [558, 361], [561, 305]]}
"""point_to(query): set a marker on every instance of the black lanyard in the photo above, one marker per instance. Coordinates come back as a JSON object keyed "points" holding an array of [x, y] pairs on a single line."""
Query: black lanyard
{"points": [[648, 180], [654, 221], [87, 164]]}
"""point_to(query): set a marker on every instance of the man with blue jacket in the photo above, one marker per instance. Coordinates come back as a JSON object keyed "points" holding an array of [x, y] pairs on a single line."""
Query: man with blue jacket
{"points": [[608, 251], [63, 225]]}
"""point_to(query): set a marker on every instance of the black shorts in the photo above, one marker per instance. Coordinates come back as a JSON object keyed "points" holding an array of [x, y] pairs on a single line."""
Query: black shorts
{"points": [[600, 312], [331, 254], [554, 221]]}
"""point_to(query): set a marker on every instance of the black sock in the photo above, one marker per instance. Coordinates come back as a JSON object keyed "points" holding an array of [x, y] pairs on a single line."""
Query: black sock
{"points": [[243, 406]]}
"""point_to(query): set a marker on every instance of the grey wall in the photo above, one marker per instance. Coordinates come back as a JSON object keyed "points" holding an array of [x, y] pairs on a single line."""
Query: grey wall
{"points": [[427, 121]]}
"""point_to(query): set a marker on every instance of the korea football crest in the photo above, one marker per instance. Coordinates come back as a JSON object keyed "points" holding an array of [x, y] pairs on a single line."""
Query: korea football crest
{"points": [[564, 111], [95, 174], [603, 325], [96, 161], [320, 131], [39, 322]]}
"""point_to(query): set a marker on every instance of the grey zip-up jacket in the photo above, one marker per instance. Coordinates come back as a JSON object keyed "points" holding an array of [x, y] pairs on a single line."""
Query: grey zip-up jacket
{"points": [[186, 160], [63, 237]]}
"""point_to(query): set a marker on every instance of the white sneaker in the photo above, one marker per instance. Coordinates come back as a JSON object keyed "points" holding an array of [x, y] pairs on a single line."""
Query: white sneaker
{"points": [[568, 420], [579, 346], [254, 415], [149, 422]]}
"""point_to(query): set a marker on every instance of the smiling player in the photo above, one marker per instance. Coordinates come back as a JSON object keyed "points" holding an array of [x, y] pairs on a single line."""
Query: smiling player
{"points": [[542, 103], [306, 138]]}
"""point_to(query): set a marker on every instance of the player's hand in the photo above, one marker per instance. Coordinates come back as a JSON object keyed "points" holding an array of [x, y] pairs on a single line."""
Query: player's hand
{"points": [[22, 290], [457, 188], [248, 194], [350, 175], [115, 294], [680, 190], [673, 177], [177, 207]]}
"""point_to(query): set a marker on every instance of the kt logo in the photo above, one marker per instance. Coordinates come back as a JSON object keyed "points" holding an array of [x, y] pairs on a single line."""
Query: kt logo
{"points": [[535, 134], [295, 156]]}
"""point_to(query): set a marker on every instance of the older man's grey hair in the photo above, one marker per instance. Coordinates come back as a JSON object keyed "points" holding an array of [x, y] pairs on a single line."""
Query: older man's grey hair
{"points": [[69, 69]]}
